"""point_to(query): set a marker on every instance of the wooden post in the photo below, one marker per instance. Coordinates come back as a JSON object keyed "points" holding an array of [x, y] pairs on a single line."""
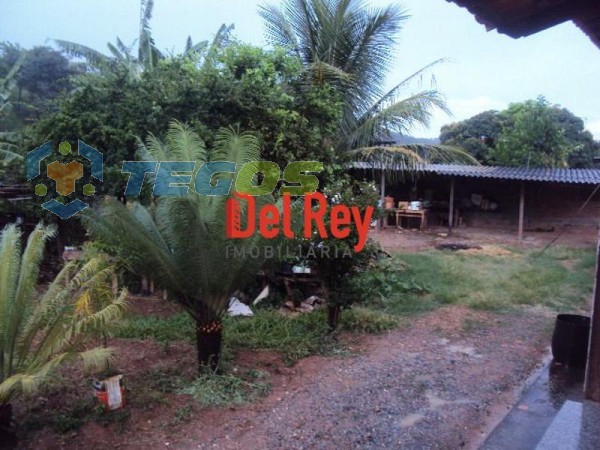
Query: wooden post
{"points": [[382, 186], [451, 208], [592, 373], [521, 210]]}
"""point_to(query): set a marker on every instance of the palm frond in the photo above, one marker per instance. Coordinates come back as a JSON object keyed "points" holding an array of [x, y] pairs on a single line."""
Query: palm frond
{"points": [[40, 332], [184, 144], [397, 116], [93, 57]]}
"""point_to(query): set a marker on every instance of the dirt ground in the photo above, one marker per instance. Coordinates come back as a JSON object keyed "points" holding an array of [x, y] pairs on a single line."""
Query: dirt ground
{"points": [[413, 240], [442, 380], [438, 382]]}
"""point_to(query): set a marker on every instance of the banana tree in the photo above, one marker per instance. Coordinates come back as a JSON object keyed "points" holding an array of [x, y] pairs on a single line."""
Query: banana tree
{"points": [[148, 54]]}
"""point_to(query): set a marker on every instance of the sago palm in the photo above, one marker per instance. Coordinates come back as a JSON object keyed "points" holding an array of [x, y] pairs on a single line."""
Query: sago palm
{"points": [[180, 242], [41, 331], [350, 46]]}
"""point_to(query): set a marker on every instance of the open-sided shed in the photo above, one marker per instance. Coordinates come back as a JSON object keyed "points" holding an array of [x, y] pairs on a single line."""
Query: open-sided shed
{"points": [[519, 197]]}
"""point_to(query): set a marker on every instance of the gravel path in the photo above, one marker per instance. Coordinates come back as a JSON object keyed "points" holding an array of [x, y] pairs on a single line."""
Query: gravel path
{"points": [[435, 384]]}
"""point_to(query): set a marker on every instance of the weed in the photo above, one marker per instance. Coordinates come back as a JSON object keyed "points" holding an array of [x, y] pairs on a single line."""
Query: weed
{"points": [[183, 414], [366, 320], [220, 390], [179, 327]]}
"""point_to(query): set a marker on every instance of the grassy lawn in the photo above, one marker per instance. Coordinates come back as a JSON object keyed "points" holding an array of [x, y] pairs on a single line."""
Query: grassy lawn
{"points": [[559, 279]]}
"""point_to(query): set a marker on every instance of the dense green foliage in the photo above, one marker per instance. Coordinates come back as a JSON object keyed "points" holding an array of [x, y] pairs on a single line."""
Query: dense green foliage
{"points": [[42, 77], [246, 86], [533, 133]]}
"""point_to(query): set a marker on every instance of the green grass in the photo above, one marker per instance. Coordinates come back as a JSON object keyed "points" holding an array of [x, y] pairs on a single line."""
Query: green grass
{"points": [[295, 337], [226, 389], [498, 283], [559, 278]]}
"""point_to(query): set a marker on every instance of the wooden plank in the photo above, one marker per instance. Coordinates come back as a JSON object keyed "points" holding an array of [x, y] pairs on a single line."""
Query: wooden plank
{"points": [[592, 373], [521, 210]]}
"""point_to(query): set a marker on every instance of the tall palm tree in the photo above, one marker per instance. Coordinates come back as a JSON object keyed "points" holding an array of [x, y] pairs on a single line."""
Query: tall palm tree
{"points": [[40, 332], [350, 46], [180, 242]]}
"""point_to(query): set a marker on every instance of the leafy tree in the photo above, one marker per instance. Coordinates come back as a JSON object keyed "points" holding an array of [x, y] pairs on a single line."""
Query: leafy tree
{"points": [[534, 132], [476, 135], [582, 146], [43, 74], [39, 333], [180, 242], [341, 262], [244, 85], [533, 139], [7, 85], [148, 54]]}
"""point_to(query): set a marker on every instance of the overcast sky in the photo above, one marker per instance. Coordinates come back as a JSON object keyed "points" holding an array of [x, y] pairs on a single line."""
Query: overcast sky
{"points": [[486, 70]]}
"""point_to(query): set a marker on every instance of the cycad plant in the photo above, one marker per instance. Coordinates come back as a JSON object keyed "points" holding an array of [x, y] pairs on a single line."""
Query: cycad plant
{"points": [[350, 46], [41, 331], [180, 241]]}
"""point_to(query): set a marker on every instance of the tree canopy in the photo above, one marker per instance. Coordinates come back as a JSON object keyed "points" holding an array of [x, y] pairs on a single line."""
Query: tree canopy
{"points": [[534, 133], [245, 85]]}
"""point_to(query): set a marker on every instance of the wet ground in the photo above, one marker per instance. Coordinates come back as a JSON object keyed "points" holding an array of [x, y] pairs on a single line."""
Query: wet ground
{"points": [[551, 415], [527, 422]]}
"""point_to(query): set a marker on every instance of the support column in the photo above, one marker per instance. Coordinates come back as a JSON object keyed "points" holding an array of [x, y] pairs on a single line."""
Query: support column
{"points": [[521, 210], [451, 208], [382, 185], [592, 373]]}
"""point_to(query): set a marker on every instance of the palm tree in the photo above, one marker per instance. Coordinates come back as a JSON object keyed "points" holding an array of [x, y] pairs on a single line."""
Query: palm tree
{"points": [[180, 242], [350, 47], [38, 333]]}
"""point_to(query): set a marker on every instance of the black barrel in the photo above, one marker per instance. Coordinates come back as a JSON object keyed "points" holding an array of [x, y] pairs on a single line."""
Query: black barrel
{"points": [[570, 340]]}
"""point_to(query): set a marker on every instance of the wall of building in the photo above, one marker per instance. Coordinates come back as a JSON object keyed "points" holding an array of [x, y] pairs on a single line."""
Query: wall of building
{"points": [[547, 205]]}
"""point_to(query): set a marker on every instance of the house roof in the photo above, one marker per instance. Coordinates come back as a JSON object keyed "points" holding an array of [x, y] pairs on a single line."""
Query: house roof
{"points": [[569, 176], [519, 18]]}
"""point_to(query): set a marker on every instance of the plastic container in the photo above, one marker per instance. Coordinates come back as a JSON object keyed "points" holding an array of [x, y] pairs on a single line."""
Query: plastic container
{"points": [[110, 399], [570, 340]]}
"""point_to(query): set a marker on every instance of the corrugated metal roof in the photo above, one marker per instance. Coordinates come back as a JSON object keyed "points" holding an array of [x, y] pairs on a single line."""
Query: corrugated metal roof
{"points": [[572, 176]]}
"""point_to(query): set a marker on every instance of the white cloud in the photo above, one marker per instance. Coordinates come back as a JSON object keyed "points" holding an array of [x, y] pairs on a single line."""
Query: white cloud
{"points": [[463, 108], [594, 127]]}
